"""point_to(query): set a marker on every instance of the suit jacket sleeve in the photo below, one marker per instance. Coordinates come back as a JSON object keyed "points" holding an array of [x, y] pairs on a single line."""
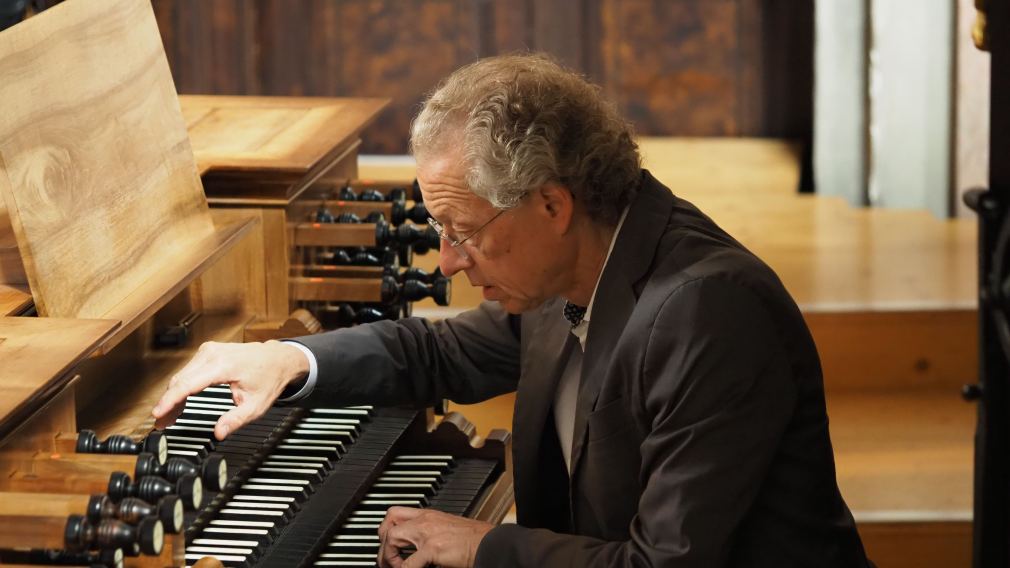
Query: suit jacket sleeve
{"points": [[715, 393], [468, 358]]}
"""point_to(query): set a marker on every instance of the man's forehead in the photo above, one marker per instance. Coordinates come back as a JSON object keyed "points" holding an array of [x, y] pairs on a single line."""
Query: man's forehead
{"points": [[444, 188]]}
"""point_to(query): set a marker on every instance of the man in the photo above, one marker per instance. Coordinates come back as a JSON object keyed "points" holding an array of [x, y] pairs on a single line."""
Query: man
{"points": [[670, 407]]}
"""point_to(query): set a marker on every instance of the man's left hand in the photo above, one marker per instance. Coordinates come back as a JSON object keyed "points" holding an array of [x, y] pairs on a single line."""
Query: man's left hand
{"points": [[440, 538]]}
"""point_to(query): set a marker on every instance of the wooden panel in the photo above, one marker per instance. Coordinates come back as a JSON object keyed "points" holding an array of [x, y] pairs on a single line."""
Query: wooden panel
{"points": [[276, 243], [904, 454], [95, 165], [676, 67], [12, 270], [671, 65], [400, 49], [237, 282], [289, 134], [337, 289], [896, 349], [918, 545], [13, 299], [211, 45], [37, 354], [336, 235]]}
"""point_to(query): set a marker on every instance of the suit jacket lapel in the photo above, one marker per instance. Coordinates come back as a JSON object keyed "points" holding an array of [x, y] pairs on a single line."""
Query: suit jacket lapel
{"points": [[546, 355], [615, 299]]}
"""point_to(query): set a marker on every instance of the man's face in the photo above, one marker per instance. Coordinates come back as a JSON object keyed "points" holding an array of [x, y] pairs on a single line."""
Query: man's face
{"points": [[513, 259]]}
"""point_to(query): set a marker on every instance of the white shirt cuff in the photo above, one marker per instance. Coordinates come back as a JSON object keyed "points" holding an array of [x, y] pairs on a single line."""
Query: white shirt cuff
{"points": [[310, 381]]}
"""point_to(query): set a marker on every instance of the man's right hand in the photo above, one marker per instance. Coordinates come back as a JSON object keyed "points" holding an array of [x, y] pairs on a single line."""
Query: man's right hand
{"points": [[256, 372]]}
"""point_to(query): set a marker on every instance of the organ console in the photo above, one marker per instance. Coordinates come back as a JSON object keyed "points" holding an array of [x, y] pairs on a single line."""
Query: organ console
{"points": [[112, 235]]}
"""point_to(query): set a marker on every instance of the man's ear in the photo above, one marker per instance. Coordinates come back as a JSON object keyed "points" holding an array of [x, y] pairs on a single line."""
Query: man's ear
{"points": [[557, 205]]}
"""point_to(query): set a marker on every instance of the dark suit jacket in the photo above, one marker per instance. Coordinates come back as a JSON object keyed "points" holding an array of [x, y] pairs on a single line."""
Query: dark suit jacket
{"points": [[701, 438]]}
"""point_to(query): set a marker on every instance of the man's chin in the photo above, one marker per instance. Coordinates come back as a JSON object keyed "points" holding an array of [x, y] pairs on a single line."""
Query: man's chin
{"points": [[516, 307]]}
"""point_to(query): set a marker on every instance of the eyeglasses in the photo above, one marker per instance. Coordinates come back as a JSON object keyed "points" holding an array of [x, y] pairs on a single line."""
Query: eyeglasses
{"points": [[456, 244]]}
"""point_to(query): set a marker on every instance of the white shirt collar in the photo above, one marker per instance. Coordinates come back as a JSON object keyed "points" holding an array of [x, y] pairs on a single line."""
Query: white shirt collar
{"points": [[581, 331]]}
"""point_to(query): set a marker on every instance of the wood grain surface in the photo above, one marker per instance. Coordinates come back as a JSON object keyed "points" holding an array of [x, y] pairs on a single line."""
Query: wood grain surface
{"points": [[96, 170], [675, 67], [13, 299], [268, 135], [37, 354], [95, 165]]}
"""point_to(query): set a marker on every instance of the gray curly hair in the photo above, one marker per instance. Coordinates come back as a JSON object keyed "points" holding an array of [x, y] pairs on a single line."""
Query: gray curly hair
{"points": [[523, 121]]}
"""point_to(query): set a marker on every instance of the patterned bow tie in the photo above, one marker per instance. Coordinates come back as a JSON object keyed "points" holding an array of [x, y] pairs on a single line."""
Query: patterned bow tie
{"points": [[574, 314]]}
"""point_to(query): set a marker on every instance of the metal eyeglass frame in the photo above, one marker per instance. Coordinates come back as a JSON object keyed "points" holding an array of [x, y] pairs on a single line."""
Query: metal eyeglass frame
{"points": [[456, 245]]}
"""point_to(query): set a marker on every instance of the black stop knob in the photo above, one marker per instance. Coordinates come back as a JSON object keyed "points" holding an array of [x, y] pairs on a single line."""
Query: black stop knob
{"points": [[405, 255], [149, 534], [323, 215], [414, 273], [440, 291], [213, 471], [155, 443], [397, 195], [152, 488], [339, 257], [398, 213], [347, 194], [345, 315], [418, 213], [383, 234], [371, 195], [77, 533], [389, 289], [365, 259]]}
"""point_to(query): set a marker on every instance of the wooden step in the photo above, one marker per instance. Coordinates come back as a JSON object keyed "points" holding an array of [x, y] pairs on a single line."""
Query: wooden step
{"points": [[904, 462]]}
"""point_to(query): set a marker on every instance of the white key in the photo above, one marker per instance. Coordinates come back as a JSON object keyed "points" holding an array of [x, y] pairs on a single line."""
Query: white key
{"points": [[288, 470], [190, 428], [264, 498], [327, 449], [209, 399], [223, 542], [304, 442], [339, 411], [224, 530], [278, 488], [306, 459], [218, 551], [257, 505], [221, 557], [422, 458], [234, 523], [272, 481], [205, 412], [174, 438], [320, 420], [252, 513]]}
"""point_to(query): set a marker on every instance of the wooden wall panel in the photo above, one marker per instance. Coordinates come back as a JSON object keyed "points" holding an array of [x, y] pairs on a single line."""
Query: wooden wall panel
{"points": [[401, 50], [675, 67], [671, 66]]}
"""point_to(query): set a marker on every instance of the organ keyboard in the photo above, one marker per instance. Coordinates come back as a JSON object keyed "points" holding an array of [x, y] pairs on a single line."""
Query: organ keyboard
{"points": [[317, 471]]}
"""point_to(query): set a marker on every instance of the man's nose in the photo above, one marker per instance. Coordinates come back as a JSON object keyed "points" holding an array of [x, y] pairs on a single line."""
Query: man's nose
{"points": [[451, 261]]}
